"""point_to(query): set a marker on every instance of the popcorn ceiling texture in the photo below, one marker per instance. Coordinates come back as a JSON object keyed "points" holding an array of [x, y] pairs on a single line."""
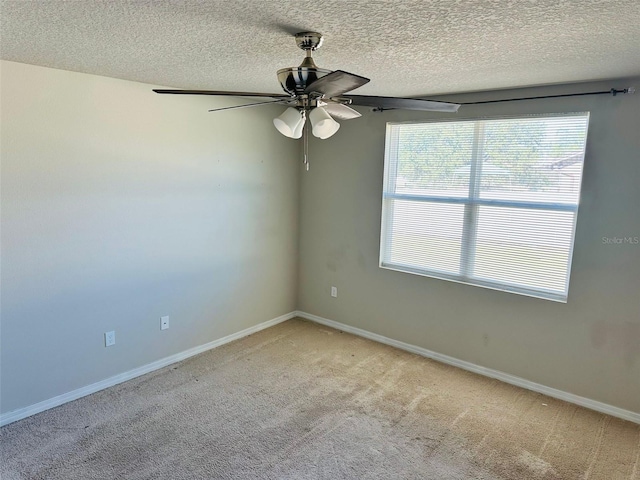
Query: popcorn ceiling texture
{"points": [[408, 48]]}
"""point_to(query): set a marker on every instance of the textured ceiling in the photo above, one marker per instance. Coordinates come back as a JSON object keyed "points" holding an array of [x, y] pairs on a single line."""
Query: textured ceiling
{"points": [[408, 48]]}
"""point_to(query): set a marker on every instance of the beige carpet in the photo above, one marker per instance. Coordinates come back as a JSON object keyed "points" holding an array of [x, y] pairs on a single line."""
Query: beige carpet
{"points": [[302, 401]]}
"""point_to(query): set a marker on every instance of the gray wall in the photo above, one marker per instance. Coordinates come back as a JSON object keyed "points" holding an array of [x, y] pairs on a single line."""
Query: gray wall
{"points": [[589, 346], [119, 206]]}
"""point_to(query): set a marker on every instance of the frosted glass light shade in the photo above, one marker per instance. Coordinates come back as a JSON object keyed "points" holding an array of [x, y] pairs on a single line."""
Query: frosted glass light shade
{"points": [[290, 123], [323, 126], [297, 132]]}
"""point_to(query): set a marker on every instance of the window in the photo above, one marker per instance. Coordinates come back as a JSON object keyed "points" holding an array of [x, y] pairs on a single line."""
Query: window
{"points": [[489, 202]]}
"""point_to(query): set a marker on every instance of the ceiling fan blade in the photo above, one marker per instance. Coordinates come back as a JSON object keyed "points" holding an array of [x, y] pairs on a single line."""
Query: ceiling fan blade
{"points": [[385, 103], [341, 112], [215, 92], [268, 102], [336, 83]]}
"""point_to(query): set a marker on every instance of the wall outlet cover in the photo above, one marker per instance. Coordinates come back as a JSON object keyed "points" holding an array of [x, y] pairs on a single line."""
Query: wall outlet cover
{"points": [[109, 338]]}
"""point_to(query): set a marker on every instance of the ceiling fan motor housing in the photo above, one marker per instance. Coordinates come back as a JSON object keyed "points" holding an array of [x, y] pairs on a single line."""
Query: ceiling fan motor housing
{"points": [[295, 79]]}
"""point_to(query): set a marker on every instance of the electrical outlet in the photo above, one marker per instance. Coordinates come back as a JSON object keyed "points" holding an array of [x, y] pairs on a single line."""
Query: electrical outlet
{"points": [[334, 291], [109, 338], [164, 322]]}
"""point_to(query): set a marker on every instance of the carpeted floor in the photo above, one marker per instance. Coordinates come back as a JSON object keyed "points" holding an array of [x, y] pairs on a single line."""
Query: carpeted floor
{"points": [[302, 401]]}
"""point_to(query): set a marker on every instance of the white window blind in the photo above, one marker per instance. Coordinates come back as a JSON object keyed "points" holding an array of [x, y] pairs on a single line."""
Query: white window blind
{"points": [[489, 202]]}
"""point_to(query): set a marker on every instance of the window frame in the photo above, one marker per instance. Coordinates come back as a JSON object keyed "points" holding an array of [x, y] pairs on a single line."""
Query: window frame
{"points": [[470, 216]]}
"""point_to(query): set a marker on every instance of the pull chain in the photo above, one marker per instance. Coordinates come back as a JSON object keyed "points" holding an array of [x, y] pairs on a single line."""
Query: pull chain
{"points": [[305, 145]]}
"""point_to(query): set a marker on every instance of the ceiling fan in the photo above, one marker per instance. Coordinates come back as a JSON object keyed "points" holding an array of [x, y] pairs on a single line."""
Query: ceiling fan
{"points": [[319, 94]]}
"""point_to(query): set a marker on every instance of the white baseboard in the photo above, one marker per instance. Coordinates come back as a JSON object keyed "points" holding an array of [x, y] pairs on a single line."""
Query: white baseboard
{"points": [[21, 413], [488, 372]]}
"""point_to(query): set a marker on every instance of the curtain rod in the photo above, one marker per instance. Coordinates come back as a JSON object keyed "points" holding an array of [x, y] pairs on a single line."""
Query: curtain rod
{"points": [[612, 92]]}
